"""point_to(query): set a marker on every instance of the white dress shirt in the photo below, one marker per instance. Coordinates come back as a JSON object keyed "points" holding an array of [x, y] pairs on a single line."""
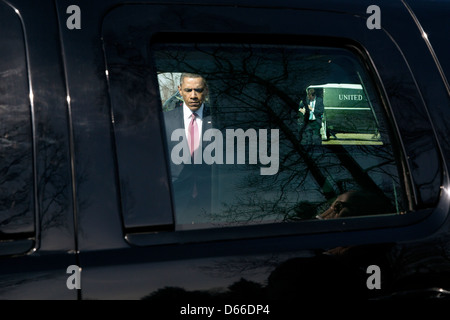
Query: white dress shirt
{"points": [[187, 115], [312, 103]]}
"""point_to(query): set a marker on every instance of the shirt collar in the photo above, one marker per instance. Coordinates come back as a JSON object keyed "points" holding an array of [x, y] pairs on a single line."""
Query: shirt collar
{"points": [[187, 112]]}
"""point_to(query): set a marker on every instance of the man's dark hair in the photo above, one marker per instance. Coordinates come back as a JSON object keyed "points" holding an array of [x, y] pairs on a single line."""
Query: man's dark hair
{"points": [[191, 75]]}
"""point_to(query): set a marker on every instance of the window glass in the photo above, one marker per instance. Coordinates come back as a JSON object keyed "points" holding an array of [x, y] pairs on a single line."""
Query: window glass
{"points": [[284, 133], [16, 178]]}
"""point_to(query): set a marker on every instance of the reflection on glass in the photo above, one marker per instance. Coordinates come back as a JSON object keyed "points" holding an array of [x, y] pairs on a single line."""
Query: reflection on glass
{"points": [[255, 96], [16, 170]]}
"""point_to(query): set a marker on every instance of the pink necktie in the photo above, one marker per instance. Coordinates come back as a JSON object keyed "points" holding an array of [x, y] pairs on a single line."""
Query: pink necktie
{"points": [[193, 135], [193, 144]]}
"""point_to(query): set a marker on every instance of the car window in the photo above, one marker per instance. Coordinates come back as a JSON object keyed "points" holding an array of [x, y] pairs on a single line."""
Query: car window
{"points": [[287, 132], [16, 156]]}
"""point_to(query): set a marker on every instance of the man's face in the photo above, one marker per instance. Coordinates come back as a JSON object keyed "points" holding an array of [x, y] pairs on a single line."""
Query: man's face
{"points": [[193, 91], [311, 96]]}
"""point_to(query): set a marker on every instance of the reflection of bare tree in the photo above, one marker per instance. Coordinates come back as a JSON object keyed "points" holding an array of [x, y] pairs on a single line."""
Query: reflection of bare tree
{"points": [[53, 185], [167, 83], [252, 87], [17, 182], [16, 156], [418, 136], [16, 176], [32, 168]]}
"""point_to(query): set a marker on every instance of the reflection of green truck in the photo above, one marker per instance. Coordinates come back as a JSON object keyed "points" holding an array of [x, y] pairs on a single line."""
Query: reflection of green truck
{"points": [[347, 109]]}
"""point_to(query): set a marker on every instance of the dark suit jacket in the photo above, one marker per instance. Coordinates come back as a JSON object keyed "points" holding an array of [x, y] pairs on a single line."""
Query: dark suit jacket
{"points": [[318, 110], [189, 177], [173, 120]]}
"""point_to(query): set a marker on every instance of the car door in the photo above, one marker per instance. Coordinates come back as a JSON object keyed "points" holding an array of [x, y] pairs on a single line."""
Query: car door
{"points": [[260, 226], [37, 238]]}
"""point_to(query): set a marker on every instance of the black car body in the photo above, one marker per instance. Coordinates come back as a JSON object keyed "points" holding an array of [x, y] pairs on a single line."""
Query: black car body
{"points": [[87, 205]]}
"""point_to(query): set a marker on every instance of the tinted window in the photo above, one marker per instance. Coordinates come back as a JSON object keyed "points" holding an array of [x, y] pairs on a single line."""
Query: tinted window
{"points": [[16, 156], [262, 159]]}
